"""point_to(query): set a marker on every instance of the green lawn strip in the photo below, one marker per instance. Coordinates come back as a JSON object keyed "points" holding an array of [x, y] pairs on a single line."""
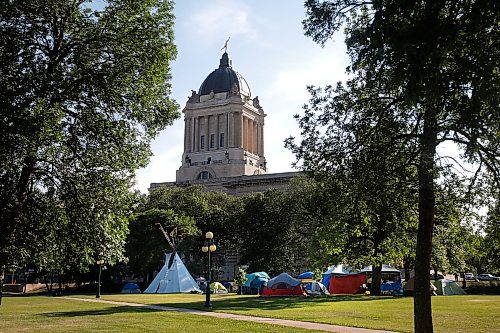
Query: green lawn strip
{"points": [[469, 313], [52, 314]]}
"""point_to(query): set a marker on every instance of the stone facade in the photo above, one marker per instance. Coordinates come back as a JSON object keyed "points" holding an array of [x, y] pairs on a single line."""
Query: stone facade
{"points": [[224, 143], [224, 129]]}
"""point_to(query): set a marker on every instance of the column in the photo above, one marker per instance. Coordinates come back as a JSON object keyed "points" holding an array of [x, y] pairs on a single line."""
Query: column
{"points": [[186, 135], [239, 130], [245, 133], [261, 139], [255, 137], [217, 131], [207, 133], [250, 135], [258, 138], [196, 134], [230, 130]]}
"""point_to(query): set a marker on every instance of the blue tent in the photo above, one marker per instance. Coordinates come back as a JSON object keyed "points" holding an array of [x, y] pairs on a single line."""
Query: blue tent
{"points": [[255, 282], [131, 288]]}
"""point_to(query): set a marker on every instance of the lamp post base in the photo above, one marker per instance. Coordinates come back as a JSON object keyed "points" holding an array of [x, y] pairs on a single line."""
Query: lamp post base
{"points": [[208, 304]]}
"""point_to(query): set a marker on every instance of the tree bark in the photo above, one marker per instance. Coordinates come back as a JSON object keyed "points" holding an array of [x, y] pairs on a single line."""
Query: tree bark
{"points": [[376, 279], [422, 306]]}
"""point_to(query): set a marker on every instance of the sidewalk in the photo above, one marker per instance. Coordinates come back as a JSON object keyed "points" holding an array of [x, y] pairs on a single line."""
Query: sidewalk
{"points": [[273, 321]]}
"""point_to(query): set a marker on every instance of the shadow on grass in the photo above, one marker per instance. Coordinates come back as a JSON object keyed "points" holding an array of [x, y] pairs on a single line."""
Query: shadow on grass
{"points": [[272, 303], [97, 312]]}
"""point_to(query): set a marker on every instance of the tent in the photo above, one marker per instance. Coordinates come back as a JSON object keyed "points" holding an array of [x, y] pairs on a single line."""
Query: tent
{"points": [[448, 287], [391, 279], [409, 287], [255, 282], [339, 270], [346, 284], [217, 288], [316, 288], [173, 278], [284, 285], [131, 288]]}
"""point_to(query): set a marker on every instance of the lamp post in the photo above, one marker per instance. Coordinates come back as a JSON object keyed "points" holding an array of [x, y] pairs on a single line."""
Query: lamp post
{"points": [[208, 247], [99, 262]]}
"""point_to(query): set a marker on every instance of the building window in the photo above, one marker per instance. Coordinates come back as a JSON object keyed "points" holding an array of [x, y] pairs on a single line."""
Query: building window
{"points": [[221, 141], [212, 140], [204, 175], [202, 142]]}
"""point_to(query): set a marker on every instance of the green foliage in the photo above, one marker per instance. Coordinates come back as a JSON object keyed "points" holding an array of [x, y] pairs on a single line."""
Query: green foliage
{"points": [[146, 245], [83, 91], [190, 210], [241, 278], [422, 74]]}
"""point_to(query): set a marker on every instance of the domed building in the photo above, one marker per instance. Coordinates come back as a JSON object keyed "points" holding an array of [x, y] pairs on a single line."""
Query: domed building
{"points": [[224, 137]]}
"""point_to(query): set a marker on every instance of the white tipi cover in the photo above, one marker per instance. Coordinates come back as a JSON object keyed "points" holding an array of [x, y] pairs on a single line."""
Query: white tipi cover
{"points": [[175, 279]]}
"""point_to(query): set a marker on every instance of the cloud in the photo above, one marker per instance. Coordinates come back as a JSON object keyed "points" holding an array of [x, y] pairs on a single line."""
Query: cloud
{"points": [[317, 69], [216, 20]]}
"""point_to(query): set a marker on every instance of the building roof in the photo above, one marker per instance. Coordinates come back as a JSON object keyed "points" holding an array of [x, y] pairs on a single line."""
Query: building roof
{"points": [[223, 79]]}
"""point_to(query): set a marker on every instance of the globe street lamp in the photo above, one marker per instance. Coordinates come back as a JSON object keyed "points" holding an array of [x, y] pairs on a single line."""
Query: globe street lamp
{"points": [[99, 262], [208, 247]]}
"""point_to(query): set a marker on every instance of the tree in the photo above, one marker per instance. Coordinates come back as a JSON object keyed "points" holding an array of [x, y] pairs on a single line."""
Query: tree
{"points": [[433, 66], [83, 91], [274, 237], [211, 211], [146, 246], [372, 206]]}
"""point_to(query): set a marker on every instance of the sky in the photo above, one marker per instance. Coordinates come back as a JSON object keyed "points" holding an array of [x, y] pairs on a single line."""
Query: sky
{"points": [[268, 48]]}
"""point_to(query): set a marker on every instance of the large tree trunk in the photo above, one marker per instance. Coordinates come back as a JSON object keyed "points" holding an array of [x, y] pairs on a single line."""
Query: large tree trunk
{"points": [[376, 279], [426, 201]]}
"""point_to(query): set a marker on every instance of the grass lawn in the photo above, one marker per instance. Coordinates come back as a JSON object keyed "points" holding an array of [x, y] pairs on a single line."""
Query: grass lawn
{"points": [[468, 313], [52, 314]]}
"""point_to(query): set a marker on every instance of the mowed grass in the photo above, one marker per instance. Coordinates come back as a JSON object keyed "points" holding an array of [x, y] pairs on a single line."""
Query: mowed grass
{"points": [[468, 313], [52, 314]]}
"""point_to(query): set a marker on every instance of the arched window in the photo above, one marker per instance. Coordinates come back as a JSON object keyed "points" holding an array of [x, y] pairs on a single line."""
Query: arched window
{"points": [[204, 175]]}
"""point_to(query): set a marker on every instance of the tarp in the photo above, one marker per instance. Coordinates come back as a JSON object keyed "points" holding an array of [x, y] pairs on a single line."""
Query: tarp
{"points": [[306, 275], [347, 284], [391, 287], [173, 278], [448, 287], [316, 288], [283, 278], [131, 288], [255, 282], [252, 278]]}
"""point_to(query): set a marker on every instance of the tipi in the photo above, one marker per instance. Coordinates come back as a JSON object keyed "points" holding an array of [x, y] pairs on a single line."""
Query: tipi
{"points": [[173, 278]]}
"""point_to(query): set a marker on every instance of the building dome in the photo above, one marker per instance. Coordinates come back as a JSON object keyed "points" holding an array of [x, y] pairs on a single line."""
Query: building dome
{"points": [[223, 79]]}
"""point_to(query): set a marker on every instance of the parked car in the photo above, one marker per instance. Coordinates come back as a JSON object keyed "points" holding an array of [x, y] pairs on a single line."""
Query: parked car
{"points": [[469, 276], [487, 277]]}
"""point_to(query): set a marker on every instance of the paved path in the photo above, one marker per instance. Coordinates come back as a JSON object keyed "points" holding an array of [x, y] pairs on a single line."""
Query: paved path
{"points": [[274, 321]]}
